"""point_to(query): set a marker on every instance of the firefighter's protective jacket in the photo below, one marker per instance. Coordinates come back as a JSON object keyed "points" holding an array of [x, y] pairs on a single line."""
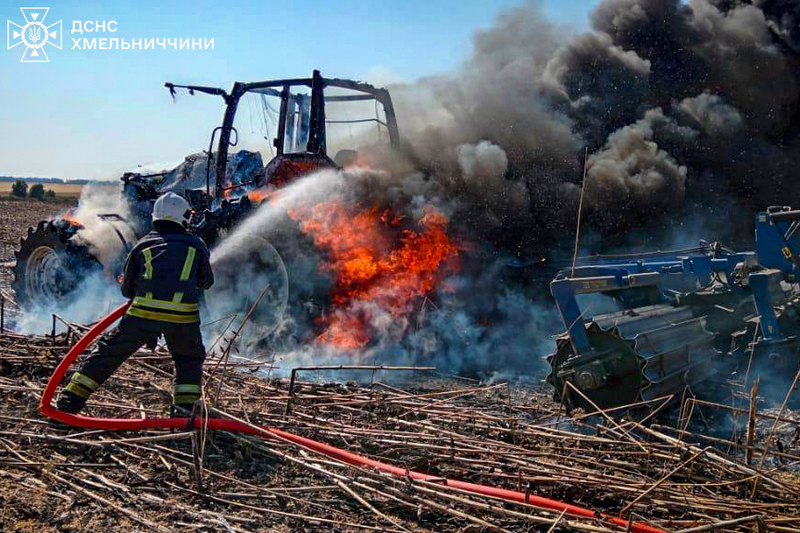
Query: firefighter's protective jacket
{"points": [[165, 274]]}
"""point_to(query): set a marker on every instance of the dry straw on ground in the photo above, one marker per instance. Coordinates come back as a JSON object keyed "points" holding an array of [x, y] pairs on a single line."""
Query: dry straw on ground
{"points": [[56, 479]]}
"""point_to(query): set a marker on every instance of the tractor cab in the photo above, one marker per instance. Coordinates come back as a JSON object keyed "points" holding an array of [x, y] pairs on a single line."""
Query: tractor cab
{"points": [[292, 127]]}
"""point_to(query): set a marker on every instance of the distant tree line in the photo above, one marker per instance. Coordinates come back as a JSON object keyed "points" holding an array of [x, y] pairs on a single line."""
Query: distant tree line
{"points": [[37, 191]]}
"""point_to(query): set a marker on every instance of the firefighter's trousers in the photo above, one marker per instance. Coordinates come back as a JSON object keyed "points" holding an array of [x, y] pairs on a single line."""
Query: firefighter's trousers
{"points": [[183, 340]]}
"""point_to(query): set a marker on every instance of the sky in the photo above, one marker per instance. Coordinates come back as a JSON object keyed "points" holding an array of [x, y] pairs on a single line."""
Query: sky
{"points": [[98, 113]]}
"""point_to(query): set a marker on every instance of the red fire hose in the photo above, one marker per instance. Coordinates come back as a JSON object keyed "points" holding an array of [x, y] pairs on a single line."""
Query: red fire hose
{"points": [[336, 453]]}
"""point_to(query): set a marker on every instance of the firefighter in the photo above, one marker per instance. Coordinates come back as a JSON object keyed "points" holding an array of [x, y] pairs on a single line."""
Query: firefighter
{"points": [[165, 275]]}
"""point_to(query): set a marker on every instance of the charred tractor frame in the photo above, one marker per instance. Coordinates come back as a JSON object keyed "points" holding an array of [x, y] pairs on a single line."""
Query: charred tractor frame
{"points": [[53, 258], [287, 165]]}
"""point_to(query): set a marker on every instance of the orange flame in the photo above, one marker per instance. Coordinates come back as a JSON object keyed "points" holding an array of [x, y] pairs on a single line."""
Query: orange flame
{"points": [[69, 217], [259, 195], [377, 267]]}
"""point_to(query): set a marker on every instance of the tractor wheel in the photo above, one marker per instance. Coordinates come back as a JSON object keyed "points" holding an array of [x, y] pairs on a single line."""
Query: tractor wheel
{"points": [[281, 262], [241, 275], [49, 265]]}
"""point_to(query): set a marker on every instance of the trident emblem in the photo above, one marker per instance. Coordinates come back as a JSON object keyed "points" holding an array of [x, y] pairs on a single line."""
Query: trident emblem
{"points": [[35, 34]]}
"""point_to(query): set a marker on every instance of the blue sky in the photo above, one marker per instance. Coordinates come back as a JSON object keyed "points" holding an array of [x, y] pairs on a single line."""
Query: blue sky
{"points": [[94, 114]]}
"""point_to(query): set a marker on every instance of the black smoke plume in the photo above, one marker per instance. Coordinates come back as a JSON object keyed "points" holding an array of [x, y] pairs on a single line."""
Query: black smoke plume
{"points": [[685, 109]]}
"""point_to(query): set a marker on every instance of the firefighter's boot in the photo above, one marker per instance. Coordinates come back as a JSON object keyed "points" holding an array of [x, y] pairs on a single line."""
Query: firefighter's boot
{"points": [[73, 398], [184, 397]]}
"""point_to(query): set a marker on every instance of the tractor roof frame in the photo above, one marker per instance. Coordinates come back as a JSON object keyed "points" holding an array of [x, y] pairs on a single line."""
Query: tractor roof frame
{"points": [[316, 140]]}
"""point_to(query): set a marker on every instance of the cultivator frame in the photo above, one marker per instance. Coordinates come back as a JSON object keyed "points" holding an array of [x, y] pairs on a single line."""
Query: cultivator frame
{"points": [[683, 316]]}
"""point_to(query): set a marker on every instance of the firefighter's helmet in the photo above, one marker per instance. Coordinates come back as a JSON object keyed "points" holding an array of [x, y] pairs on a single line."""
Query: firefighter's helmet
{"points": [[172, 207]]}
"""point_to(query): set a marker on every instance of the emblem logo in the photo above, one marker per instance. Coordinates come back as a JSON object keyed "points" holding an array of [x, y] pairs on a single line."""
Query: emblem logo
{"points": [[34, 35]]}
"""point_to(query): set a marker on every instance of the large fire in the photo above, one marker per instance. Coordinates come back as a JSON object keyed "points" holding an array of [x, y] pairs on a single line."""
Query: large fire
{"points": [[379, 269]]}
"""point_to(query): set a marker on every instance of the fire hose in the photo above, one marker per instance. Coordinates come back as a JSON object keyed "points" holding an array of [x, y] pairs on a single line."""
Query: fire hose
{"points": [[325, 449]]}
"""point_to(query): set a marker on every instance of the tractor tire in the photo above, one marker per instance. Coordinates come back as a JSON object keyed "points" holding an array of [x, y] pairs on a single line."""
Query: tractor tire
{"points": [[49, 265], [239, 278], [277, 262]]}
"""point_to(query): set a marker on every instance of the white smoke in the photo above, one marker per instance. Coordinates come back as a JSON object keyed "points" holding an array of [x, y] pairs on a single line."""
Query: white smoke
{"points": [[263, 254], [713, 114], [632, 166], [464, 325], [99, 235], [95, 297], [98, 292]]}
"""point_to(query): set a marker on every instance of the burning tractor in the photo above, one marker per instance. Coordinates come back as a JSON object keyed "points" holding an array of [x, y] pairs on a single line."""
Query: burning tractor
{"points": [[300, 122]]}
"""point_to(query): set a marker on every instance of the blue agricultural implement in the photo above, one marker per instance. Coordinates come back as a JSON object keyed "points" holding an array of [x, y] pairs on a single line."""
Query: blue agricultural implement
{"points": [[679, 319]]}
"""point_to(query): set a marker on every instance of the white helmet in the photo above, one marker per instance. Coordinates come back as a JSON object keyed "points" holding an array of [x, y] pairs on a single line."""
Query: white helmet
{"points": [[172, 207]]}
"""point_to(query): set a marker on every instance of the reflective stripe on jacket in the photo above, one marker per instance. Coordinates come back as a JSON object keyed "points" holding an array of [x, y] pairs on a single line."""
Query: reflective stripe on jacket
{"points": [[165, 274]]}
